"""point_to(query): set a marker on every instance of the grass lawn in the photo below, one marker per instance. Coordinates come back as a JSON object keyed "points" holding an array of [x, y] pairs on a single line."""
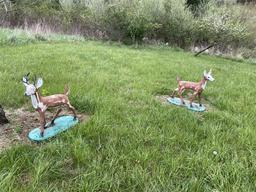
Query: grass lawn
{"points": [[132, 142]]}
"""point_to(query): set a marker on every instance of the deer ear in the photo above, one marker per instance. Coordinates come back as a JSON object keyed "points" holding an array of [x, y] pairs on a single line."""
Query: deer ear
{"points": [[205, 73], [24, 80], [210, 72], [39, 83]]}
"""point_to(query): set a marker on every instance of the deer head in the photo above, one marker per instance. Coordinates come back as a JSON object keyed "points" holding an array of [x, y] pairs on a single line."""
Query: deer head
{"points": [[208, 76], [31, 88]]}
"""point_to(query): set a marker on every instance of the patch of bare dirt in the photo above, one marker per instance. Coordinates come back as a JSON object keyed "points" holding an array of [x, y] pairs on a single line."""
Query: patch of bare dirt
{"points": [[163, 99], [22, 121]]}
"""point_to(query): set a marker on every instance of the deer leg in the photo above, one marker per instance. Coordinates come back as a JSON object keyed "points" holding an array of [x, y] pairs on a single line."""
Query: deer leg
{"points": [[181, 98], [55, 116], [199, 99], [192, 98], [42, 122], [174, 92], [70, 107]]}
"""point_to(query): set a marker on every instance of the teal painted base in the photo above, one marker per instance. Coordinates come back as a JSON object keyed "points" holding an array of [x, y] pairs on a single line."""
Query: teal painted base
{"points": [[61, 124], [177, 101]]}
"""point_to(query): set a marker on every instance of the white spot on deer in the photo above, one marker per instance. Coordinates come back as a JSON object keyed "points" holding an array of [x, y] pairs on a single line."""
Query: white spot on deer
{"points": [[204, 85], [42, 106]]}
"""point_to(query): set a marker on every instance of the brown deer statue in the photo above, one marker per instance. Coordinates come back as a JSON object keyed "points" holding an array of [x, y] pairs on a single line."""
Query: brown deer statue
{"points": [[40, 103], [197, 87]]}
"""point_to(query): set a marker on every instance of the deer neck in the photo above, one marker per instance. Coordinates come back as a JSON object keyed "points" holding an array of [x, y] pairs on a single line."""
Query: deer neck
{"points": [[203, 83], [34, 101], [37, 102], [38, 96]]}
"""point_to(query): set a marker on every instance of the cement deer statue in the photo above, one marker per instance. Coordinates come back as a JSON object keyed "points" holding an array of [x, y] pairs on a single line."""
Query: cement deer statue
{"points": [[197, 87], [40, 103]]}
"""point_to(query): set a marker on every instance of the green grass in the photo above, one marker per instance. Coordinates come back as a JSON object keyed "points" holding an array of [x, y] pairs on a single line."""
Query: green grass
{"points": [[23, 37], [132, 142]]}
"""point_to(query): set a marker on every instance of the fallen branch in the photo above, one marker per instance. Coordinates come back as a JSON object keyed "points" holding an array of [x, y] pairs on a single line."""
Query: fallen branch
{"points": [[210, 46]]}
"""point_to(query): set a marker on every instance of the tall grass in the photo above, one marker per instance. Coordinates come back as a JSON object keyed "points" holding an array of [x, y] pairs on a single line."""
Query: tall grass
{"points": [[19, 37]]}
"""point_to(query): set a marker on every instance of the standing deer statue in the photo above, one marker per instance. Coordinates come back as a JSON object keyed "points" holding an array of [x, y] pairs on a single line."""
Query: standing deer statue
{"points": [[40, 103], [197, 87]]}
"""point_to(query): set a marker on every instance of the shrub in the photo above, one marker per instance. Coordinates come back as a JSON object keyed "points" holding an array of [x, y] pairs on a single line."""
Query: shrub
{"points": [[128, 21], [115, 22], [131, 21], [248, 53], [221, 25], [141, 21], [177, 23], [195, 5]]}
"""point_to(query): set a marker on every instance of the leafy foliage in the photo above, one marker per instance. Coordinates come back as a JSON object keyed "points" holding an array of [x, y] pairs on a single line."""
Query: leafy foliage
{"points": [[222, 25], [131, 21]]}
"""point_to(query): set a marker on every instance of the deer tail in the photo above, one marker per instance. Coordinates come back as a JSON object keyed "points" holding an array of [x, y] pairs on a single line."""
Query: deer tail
{"points": [[66, 90], [178, 79]]}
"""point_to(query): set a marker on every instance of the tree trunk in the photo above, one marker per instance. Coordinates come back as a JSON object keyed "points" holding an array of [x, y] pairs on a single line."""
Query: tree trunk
{"points": [[3, 119]]}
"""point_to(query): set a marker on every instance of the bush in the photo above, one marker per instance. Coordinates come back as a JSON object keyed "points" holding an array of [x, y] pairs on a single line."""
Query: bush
{"points": [[248, 53], [178, 23], [195, 5], [168, 20], [115, 22], [221, 25], [131, 21]]}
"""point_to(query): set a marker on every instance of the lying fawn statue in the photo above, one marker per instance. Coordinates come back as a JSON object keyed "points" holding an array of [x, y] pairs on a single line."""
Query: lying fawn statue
{"points": [[42, 103], [197, 87]]}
